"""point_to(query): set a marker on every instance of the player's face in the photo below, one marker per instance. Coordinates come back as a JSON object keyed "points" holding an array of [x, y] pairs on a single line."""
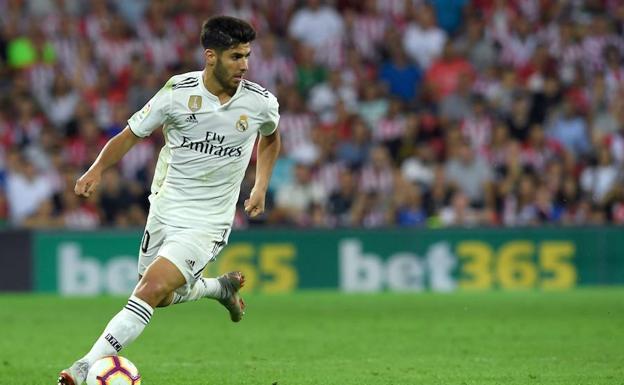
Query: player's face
{"points": [[231, 65]]}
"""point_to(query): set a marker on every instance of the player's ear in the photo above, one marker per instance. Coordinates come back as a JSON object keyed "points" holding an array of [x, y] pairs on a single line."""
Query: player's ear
{"points": [[211, 56]]}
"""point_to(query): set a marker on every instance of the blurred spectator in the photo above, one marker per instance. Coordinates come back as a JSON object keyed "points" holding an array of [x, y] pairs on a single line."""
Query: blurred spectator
{"points": [[367, 29], [459, 212], [144, 85], [478, 46], [378, 175], [372, 105], [293, 200], [324, 97], [599, 179], [246, 11], [470, 174], [60, 102], [419, 167], [443, 76], [423, 39], [270, 66], [44, 217], [320, 27], [316, 24], [449, 13], [83, 148], [391, 127], [540, 149], [296, 124], [355, 152], [456, 105], [26, 188], [570, 129], [402, 78], [370, 210], [519, 44], [309, 73], [341, 200], [477, 125], [163, 49], [114, 197], [408, 205], [518, 120], [77, 214]]}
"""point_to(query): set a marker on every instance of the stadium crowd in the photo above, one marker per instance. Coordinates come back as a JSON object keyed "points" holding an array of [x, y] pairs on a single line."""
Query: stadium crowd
{"points": [[393, 112]]}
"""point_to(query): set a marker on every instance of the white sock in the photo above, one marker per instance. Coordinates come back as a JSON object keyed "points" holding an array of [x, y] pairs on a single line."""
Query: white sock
{"points": [[124, 328], [203, 288]]}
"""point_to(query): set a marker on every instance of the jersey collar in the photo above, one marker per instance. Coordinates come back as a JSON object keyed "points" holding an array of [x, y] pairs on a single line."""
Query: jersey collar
{"points": [[214, 97]]}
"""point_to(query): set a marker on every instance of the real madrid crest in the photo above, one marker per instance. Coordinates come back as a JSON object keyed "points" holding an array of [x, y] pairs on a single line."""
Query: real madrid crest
{"points": [[242, 125], [194, 103]]}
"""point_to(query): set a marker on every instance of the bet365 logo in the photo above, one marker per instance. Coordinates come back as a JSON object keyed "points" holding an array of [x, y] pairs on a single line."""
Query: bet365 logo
{"points": [[79, 274], [516, 264], [403, 271]]}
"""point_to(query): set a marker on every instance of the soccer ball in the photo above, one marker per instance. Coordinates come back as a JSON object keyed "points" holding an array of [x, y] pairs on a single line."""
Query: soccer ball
{"points": [[113, 370]]}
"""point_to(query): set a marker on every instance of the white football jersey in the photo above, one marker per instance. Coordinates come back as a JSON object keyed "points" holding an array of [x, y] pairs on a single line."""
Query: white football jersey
{"points": [[208, 146]]}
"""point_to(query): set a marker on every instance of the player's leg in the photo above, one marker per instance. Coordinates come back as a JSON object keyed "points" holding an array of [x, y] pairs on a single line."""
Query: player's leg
{"points": [[202, 249], [224, 289], [161, 278], [204, 288]]}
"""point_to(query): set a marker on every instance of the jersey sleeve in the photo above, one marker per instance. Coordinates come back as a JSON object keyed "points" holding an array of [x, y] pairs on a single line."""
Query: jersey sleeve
{"points": [[154, 114], [272, 117]]}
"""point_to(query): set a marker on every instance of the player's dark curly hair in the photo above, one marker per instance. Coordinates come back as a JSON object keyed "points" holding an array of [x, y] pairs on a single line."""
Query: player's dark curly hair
{"points": [[224, 32]]}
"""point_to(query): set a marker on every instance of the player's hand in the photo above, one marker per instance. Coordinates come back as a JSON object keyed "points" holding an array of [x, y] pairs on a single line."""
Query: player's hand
{"points": [[254, 206], [88, 182]]}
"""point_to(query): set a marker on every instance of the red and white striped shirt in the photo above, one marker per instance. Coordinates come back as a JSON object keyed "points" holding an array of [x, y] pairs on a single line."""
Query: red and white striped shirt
{"points": [[249, 14], [83, 217], [67, 50], [81, 153], [296, 130], [367, 32], [377, 180], [538, 156], [616, 144], [530, 9], [571, 55], [389, 128], [117, 53], [331, 53], [517, 51], [479, 131], [162, 52], [593, 50], [140, 157], [328, 175], [271, 71], [614, 80]]}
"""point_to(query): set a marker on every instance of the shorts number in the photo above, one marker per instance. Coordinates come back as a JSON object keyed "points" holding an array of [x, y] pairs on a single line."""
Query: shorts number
{"points": [[145, 241]]}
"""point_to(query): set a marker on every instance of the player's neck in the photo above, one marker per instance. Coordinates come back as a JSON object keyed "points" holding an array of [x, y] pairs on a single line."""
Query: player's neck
{"points": [[214, 87]]}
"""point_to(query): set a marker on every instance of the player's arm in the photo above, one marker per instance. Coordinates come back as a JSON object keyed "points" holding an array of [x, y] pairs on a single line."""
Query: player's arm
{"points": [[268, 151], [141, 124], [112, 152]]}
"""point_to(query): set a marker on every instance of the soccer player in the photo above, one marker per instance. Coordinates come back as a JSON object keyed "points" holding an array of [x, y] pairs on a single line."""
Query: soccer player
{"points": [[210, 121]]}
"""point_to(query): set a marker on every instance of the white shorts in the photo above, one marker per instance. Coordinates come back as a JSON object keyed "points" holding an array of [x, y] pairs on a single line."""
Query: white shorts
{"points": [[190, 250]]}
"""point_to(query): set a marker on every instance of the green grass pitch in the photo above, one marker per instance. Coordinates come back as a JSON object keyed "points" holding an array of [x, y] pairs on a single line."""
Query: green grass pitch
{"points": [[325, 338]]}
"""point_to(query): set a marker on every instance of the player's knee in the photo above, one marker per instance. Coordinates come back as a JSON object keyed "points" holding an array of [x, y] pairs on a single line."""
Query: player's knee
{"points": [[152, 292]]}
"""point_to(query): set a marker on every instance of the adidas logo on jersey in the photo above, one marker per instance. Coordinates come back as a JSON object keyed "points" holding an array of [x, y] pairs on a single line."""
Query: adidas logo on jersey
{"points": [[191, 119], [191, 263]]}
